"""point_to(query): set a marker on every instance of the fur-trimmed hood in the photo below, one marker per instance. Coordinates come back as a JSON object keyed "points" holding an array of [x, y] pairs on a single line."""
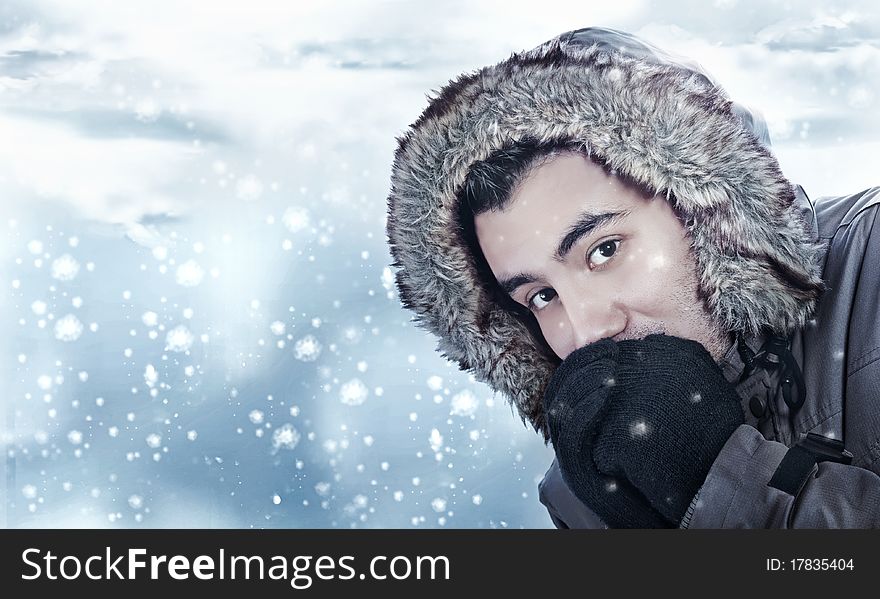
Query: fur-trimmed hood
{"points": [[661, 122]]}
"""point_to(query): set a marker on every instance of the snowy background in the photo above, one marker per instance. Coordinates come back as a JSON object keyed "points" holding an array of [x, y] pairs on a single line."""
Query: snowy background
{"points": [[199, 326]]}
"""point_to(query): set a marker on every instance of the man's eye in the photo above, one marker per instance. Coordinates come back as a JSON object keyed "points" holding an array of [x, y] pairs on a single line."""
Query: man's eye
{"points": [[603, 252], [541, 299]]}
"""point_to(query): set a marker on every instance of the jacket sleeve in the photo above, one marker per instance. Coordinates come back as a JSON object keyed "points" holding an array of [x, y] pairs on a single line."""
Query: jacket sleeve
{"points": [[563, 506], [738, 493]]}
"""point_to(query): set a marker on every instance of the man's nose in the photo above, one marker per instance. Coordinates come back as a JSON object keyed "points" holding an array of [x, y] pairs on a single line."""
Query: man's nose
{"points": [[591, 320]]}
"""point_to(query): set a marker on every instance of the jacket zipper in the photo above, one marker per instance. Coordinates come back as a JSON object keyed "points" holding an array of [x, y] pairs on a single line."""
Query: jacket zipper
{"points": [[686, 519]]}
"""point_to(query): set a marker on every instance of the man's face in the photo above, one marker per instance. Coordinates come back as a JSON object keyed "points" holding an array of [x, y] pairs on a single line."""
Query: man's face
{"points": [[592, 257]]}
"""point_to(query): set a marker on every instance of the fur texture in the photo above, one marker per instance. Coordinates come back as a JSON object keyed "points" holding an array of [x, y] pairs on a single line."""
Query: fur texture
{"points": [[666, 127]]}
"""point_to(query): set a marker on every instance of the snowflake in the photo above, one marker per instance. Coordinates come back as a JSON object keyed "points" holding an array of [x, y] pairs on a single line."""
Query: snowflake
{"points": [[249, 188], [353, 393], [464, 403], [307, 349], [178, 339], [436, 440], [65, 268], [352, 334], [68, 328], [295, 219], [387, 279], [151, 375], [435, 383], [190, 274], [639, 428], [285, 437]]}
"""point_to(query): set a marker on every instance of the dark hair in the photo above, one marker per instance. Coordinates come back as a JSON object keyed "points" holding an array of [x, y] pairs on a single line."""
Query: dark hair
{"points": [[489, 185]]}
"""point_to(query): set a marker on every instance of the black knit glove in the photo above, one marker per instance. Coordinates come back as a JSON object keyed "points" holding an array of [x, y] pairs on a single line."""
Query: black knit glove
{"points": [[636, 426]]}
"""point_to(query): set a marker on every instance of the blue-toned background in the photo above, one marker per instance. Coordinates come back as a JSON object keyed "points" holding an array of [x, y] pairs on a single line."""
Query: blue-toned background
{"points": [[199, 323]]}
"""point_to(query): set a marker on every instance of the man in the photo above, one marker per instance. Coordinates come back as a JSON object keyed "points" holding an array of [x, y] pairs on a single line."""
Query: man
{"points": [[594, 229]]}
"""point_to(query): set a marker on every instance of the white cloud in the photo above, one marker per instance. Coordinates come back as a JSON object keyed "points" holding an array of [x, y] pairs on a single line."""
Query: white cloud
{"points": [[116, 180], [269, 79]]}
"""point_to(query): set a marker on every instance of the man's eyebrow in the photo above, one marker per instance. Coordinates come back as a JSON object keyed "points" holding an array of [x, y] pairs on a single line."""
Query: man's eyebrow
{"points": [[585, 224]]}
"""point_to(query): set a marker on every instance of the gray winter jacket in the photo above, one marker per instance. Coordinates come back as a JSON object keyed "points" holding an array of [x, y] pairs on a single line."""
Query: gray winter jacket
{"points": [[765, 258], [839, 354]]}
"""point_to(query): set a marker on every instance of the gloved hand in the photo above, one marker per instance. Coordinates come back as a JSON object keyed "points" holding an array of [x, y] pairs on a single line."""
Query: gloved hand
{"points": [[636, 426]]}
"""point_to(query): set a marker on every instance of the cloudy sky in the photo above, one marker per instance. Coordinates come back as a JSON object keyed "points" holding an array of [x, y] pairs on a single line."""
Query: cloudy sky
{"points": [[223, 167], [117, 107]]}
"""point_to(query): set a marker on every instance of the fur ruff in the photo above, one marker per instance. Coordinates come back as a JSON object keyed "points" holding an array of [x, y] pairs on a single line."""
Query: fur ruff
{"points": [[666, 128]]}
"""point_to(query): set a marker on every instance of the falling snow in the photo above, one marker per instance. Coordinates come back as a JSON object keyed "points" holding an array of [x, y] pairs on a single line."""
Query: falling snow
{"points": [[189, 274], [68, 328], [307, 349], [387, 279], [179, 339], [464, 403], [436, 440], [435, 383], [353, 393], [295, 219], [65, 268], [212, 335], [285, 437], [249, 188], [151, 376], [639, 428]]}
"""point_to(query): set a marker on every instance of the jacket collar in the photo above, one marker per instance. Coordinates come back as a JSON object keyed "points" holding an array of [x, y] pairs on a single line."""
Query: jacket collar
{"points": [[731, 363]]}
